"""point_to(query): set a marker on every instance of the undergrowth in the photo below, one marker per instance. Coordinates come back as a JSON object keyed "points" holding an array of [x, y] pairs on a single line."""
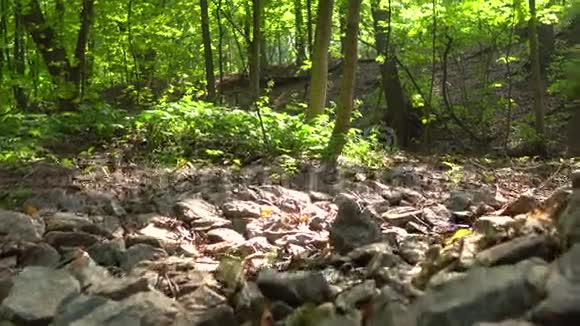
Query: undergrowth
{"points": [[177, 132]]}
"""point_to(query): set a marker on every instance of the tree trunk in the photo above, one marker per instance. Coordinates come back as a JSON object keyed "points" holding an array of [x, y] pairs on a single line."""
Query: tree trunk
{"points": [[19, 58], [255, 49], [220, 40], [209, 74], [299, 22], [67, 77], [346, 96], [537, 85], [319, 70], [78, 70], [574, 132], [309, 27], [397, 114]]}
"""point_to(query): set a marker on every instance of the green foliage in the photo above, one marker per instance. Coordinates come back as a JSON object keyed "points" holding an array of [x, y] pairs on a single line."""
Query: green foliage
{"points": [[193, 129]]}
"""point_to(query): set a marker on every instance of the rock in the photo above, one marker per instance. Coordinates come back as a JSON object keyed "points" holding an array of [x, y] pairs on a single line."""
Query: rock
{"points": [[353, 227], [218, 316], [310, 314], [277, 192], [40, 254], [194, 208], [484, 294], [561, 307], [19, 227], [389, 311], [319, 196], [518, 249], [108, 253], [294, 288], [381, 252], [404, 175], [488, 196], [399, 216], [359, 294], [522, 205], [202, 299], [241, 209], [138, 253], [145, 308], [459, 201], [66, 221], [166, 239], [134, 239], [61, 239], [223, 234], [280, 310], [492, 226], [568, 223], [413, 248], [507, 323], [36, 294], [410, 195], [118, 289], [108, 223], [249, 302]]}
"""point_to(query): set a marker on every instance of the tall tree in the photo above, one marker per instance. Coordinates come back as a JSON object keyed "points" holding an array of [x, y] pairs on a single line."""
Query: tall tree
{"points": [[209, 74], [537, 84], [67, 76], [19, 58], [319, 71], [255, 48], [299, 22], [346, 96]]}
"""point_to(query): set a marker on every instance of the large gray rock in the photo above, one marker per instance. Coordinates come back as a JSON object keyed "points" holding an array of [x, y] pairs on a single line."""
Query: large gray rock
{"points": [[20, 227], [138, 253], [353, 227], [569, 221], [484, 294], [38, 254], [195, 209], [389, 311], [562, 305], [518, 249], [145, 308], [62, 239], [294, 288], [36, 294]]}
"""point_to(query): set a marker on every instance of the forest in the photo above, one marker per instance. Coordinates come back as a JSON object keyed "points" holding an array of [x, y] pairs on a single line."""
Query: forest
{"points": [[290, 162]]}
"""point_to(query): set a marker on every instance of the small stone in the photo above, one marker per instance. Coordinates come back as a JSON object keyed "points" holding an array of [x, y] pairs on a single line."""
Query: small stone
{"points": [[20, 227], [201, 299], [108, 253], [134, 239], [194, 208], [138, 253], [37, 292], [319, 196], [399, 216], [280, 310], [294, 288], [241, 209], [217, 316], [522, 205], [459, 201], [413, 249], [361, 293], [493, 226], [382, 252], [353, 227], [518, 249], [40, 254], [223, 234], [66, 221], [60, 239], [249, 301]]}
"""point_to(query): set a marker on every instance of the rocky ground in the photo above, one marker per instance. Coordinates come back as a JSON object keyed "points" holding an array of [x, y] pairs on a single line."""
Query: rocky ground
{"points": [[418, 244]]}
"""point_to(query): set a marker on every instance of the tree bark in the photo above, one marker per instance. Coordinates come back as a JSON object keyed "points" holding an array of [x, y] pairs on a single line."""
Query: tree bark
{"points": [[209, 73], [67, 76], [255, 49], [319, 70], [299, 22], [19, 58], [309, 27], [346, 96], [537, 85]]}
